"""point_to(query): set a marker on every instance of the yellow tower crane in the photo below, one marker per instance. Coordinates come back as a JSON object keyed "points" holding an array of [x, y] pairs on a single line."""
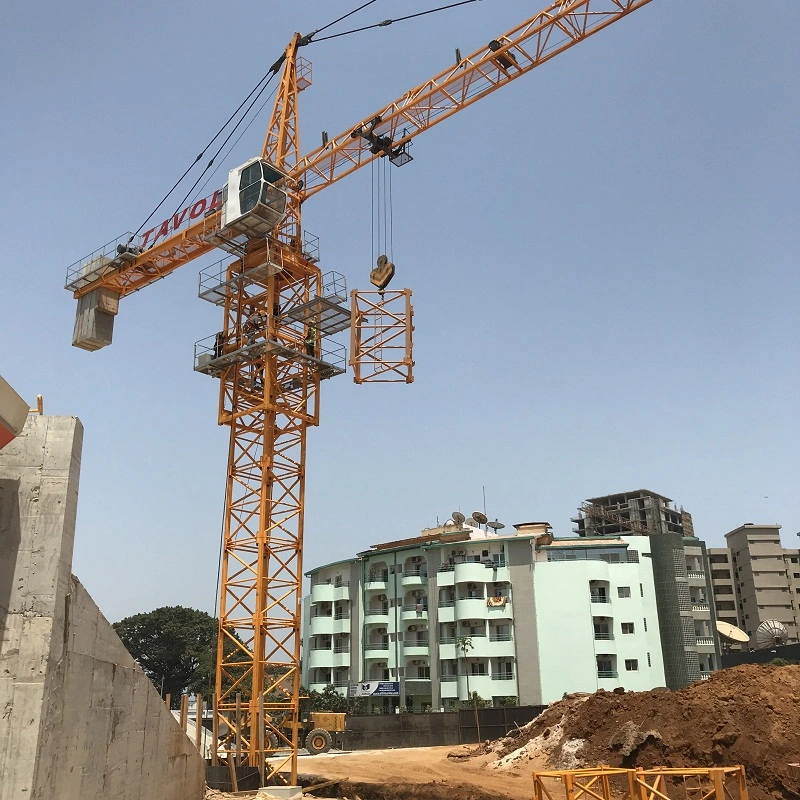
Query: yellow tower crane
{"points": [[271, 353]]}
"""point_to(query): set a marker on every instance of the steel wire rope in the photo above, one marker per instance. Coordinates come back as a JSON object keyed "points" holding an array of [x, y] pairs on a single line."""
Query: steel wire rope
{"points": [[233, 144], [227, 139], [388, 22], [267, 77]]}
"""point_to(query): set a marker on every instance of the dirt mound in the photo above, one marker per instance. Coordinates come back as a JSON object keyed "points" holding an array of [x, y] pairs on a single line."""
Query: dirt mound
{"points": [[745, 715]]}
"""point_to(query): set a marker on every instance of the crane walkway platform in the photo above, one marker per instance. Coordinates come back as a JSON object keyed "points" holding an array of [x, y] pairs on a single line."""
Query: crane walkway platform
{"points": [[332, 360]]}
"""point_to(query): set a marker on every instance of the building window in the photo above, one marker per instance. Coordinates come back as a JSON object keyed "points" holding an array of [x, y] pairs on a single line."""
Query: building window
{"points": [[627, 627], [478, 669], [631, 664], [649, 664], [645, 624], [796, 574], [624, 591], [793, 560], [641, 589]]}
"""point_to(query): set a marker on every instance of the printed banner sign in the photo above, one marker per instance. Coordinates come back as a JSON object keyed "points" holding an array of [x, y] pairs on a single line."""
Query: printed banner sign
{"points": [[375, 689]]}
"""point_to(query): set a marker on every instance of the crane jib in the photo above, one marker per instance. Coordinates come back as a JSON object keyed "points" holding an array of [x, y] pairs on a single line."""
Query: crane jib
{"points": [[176, 221]]}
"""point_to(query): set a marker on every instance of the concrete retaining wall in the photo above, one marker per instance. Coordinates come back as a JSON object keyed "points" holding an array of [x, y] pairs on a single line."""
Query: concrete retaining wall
{"points": [[78, 719]]}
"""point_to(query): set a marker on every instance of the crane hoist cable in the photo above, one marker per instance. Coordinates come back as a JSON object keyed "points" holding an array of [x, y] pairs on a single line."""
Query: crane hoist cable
{"points": [[385, 23]]}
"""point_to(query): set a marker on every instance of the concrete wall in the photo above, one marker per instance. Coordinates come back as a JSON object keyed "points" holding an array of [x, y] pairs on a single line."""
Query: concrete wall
{"points": [[78, 718]]}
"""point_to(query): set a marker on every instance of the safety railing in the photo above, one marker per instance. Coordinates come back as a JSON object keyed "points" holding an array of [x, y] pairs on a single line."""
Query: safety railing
{"points": [[111, 256], [661, 783]]}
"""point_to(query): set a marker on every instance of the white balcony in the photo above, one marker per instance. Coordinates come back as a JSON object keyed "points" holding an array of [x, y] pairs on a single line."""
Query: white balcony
{"points": [[472, 572], [415, 612], [415, 578], [374, 616], [472, 608], [376, 650], [414, 648]]}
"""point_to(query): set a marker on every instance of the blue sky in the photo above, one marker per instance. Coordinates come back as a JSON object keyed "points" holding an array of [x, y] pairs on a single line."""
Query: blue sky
{"points": [[603, 257]]}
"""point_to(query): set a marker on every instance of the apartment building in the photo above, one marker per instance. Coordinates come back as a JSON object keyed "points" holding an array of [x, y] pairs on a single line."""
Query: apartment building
{"points": [[458, 610], [686, 614], [755, 579]]}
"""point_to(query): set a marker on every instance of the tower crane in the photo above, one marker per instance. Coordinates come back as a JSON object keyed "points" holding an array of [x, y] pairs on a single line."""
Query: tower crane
{"points": [[271, 353]]}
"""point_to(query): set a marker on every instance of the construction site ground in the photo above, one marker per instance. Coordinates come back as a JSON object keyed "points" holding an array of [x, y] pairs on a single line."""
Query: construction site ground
{"points": [[744, 715]]}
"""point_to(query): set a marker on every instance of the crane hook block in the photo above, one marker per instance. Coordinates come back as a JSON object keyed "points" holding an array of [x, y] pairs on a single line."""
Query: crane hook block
{"points": [[382, 273]]}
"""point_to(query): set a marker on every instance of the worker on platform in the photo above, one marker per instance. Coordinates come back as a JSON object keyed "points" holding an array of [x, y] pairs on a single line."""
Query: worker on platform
{"points": [[311, 341], [219, 344], [253, 324]]}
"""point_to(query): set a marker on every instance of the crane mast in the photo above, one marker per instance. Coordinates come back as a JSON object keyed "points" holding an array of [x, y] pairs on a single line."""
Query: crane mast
{"points": [[270, 371]]}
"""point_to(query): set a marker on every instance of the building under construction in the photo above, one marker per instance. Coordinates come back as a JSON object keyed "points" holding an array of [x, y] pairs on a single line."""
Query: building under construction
{"points": [[686, 614]]}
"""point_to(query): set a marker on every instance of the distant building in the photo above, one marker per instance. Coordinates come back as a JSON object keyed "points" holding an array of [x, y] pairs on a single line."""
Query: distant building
{"points": [[755, 579], [686, 615], [460, 610]]}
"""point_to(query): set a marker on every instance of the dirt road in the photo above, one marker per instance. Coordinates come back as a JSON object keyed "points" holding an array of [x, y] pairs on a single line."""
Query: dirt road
{"points": [[419, 771]]}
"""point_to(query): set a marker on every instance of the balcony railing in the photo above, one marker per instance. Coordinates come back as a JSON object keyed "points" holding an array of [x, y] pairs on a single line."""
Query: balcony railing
{"points": [[693, 573], [606, 673], [419, 573], [447, 640], [473, 597], [378, 578], [381, 612], [500, 637], [341, 648], [417, 642], [321, 646], [446, 603], [342, 615], [376, 646], [317, 614], [607, 636], [446, 568], [448, 678], [415, 607], [502, 676], [699, 605], [340, 684], [704, 676], [705, 640], [599, 598]]}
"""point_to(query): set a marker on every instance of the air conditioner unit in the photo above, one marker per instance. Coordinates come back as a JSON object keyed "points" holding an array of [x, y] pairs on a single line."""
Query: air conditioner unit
{"points": [[412, 627], [462, 552], [471, 586], [381, 597], [381, 631], [418, 662]]}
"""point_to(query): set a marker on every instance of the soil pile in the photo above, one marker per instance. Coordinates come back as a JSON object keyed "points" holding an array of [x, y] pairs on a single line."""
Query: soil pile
{"points": [[746, 715]]}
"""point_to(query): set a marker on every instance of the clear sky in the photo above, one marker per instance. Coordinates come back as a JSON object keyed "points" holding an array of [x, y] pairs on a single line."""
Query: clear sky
{"points": [[603, 255]]}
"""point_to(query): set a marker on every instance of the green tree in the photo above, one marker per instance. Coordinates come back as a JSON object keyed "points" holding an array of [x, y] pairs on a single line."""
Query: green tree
{"points": [[327, 700], [175, 646]]}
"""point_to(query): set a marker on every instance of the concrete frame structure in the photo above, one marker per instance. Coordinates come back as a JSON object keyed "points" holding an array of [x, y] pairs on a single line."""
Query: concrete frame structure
{"points": [[687, 617], [755, 579], [79, 720], [399, 611]]}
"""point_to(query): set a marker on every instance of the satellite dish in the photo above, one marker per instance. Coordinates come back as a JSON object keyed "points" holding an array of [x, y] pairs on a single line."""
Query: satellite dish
{"points": [[449, 523], [458, 518], [497, 526], [480, 517], [771, 633], [731, 632], [472, 523]]}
